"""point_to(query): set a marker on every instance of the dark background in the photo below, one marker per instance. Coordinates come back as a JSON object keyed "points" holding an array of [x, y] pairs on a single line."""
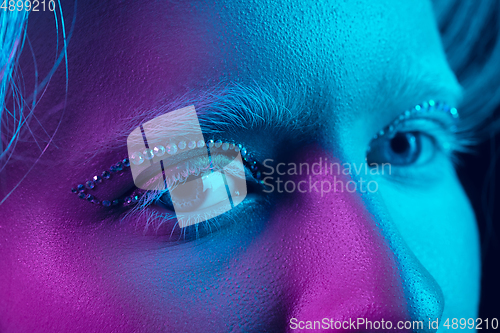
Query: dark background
{"points": [[480, 176]]}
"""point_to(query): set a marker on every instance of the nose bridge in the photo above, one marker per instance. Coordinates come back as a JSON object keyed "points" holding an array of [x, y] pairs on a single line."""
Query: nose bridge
{"points": [[346, 259], [424, 297]]}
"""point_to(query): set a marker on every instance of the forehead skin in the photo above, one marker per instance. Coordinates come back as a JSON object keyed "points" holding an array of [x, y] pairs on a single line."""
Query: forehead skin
{"points": [[348, 57], [345, 52]]}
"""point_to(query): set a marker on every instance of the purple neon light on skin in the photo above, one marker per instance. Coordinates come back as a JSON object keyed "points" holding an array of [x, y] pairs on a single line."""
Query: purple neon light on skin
{"points": [[67, 266]]}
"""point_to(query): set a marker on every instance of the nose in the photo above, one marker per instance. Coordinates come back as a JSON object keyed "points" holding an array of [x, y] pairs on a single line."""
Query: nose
{"points": [[350, 270]]}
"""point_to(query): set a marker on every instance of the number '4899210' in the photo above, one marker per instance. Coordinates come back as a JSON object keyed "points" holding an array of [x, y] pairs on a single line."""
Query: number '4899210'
{"points": [[28, 5], [471, 323]]}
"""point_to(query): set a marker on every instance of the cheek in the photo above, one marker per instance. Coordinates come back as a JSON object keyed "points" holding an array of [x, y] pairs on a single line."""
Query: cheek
{"points": [[460, 262]]}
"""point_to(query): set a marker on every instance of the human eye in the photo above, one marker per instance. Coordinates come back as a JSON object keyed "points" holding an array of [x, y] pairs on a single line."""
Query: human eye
{"points": [[203, 194], [416, 140]]}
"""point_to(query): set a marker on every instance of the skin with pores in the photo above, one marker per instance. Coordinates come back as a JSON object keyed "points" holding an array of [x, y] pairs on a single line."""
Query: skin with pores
{"points": [[407, 252]]}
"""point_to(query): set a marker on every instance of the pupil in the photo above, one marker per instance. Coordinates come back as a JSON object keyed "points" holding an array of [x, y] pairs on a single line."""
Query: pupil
{"points": [[400, 143]]}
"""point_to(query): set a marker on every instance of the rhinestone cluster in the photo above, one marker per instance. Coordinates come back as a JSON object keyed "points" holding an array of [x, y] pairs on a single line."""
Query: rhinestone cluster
{"points": [[82, 189], [172, 148], [137, 158], [430, 106]]}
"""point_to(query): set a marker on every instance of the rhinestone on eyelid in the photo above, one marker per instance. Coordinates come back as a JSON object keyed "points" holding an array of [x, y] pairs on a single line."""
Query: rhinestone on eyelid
{"points": [[119, 166], [106, 175], [426, 107], [182, 145], [148, 154], [225, 146], [218, 143], [90, 185], [171, 148], [210, 143], [192, 144], [137, 158], [97, 179], [201, 143], [159, 150]]}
